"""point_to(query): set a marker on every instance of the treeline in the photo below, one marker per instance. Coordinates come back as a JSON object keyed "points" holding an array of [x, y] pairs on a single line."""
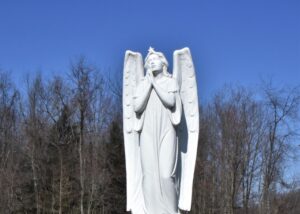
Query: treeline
{"points": [[61, 147], [245, 142]]}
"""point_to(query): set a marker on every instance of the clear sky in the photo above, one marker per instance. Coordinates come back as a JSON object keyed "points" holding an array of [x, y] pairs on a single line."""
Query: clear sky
{"points": [[232, 41]]}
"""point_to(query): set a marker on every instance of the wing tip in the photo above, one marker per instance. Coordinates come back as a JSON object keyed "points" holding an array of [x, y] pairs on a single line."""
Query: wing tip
{"points": [[127, 52], [130, 52], [182, 51]]}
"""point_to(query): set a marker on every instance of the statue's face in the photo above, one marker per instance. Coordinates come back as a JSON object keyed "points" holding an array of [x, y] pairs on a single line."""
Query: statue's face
{"points": [[155, 63]]}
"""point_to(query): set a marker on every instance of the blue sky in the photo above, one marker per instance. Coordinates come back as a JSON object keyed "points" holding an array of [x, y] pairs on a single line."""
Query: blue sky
{"points": [[232, 41]]}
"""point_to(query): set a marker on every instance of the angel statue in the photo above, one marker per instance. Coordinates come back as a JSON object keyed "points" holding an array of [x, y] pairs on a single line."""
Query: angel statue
{"points": [[161, 126]]}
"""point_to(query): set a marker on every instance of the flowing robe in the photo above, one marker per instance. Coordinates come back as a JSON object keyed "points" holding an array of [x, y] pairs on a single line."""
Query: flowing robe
{"points": [[159, 147]]}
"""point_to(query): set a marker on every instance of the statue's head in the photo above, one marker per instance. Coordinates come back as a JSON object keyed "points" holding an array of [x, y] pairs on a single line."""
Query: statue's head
{"points": [[156, 61]]}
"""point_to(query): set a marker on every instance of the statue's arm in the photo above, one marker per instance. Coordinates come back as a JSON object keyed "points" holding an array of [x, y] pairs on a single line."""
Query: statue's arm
{"points": [[142, 95], [167, 98]]}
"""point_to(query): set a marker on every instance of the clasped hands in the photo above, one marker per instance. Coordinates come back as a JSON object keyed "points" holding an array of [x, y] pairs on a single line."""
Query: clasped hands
{"points": [[150, 78]]}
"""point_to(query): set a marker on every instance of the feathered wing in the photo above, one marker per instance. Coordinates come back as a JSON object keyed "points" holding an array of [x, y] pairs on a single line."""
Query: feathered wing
{"points": [[132, 74], [188, 130]]}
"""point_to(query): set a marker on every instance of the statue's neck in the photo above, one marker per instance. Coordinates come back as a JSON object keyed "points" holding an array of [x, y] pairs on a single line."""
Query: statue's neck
{"points": [[159, 75]]}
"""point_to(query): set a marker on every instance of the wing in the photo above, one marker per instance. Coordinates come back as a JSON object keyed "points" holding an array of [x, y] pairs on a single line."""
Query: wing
{"points": [[132, 74], [188, 130]]}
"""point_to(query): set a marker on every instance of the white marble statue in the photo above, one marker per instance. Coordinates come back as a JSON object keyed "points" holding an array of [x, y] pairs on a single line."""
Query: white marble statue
{"points": [[161, 126]]}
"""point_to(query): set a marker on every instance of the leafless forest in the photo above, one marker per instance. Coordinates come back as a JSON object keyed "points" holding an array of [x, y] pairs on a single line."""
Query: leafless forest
{"points": [[61, 147]]}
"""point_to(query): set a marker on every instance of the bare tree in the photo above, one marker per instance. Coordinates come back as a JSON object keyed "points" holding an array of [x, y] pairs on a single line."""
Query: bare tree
{"points": [[56, 100], [282, 109], [9, 130], [93, 104], [35, 127]]}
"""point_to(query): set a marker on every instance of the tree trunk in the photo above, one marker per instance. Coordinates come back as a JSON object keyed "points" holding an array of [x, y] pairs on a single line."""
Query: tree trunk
{"points": [[34, 173], [81, 161], [60, 182]]}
